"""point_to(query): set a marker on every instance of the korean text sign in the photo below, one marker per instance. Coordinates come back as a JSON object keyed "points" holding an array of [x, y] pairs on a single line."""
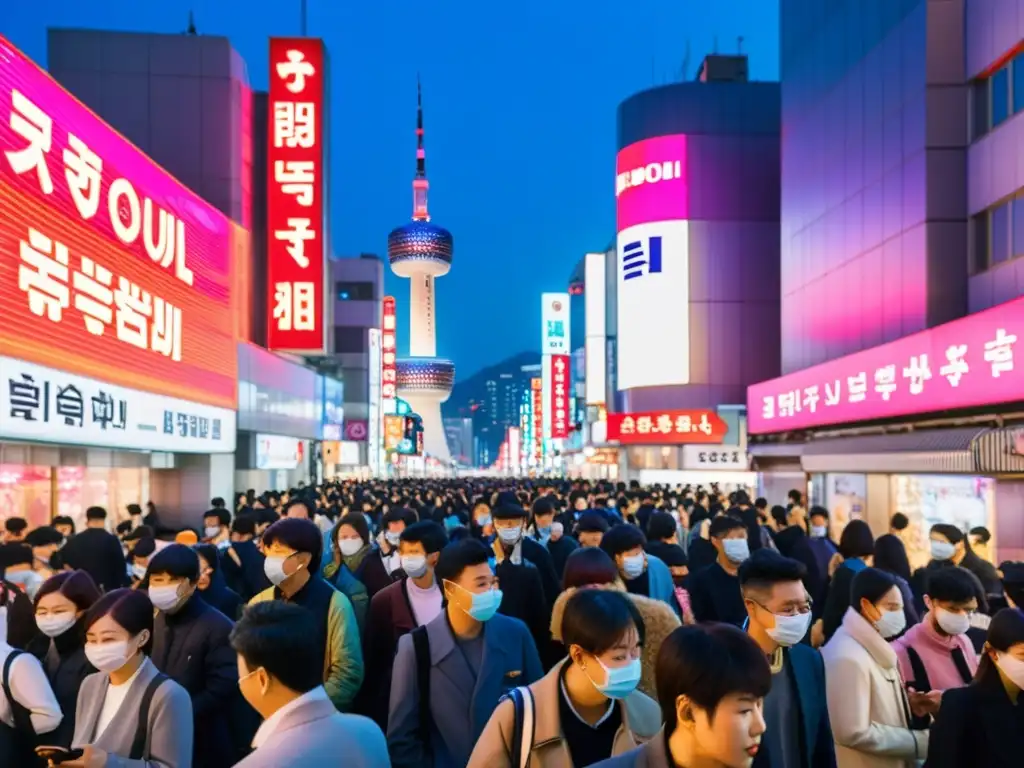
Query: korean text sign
{"points": [[109, 268], [389, 350], [295, 195], [666, 427], [966, 363], [650, 182], [554, 324], [559, 403]]}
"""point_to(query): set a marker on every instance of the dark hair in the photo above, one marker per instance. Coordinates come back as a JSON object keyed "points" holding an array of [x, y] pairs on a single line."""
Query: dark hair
{"points": [[543, 506], [622, 538], [244, 525], [818, 511], [76, 586], [592, 522], [63, 520], [124, 527], [95, 513], [950, 585], [597, 619], [300, 501], [176, 560], [761, 502], [723, 524], [1005, 631], [300, 535], [428, 533], [15, 525], [222, 515], [794, 496], [281, 638], [455, 558], [134, 509], [130, 608], [210, 554], [984, 534], [356, 521], [589, 565], [142, 532], [43, 536], [891, 556], [948, 531], [765, 568], [779, 514], [509, 511], [707, 662], [870, 584], [217, 501], [661, 526], [856, 540], [144, 548], [16, 553], [899, 522]]}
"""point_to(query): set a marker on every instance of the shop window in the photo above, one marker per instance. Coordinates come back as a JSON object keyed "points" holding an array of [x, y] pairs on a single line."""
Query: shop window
{"points": [[1000, 96], [352, 291], [26, 491]]}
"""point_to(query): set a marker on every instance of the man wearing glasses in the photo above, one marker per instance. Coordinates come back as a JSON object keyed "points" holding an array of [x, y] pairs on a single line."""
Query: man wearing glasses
{"points": [[779, 618]]}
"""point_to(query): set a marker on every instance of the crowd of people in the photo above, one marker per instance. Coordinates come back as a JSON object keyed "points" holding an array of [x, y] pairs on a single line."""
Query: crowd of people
{"points": [[499, 624]]}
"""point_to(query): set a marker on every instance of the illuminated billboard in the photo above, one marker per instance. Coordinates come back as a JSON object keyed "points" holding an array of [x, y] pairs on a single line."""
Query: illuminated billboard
{"points": [[389, 351], [595, 298], [651, 182], [296, 183], [554, 324], [126, 275]]}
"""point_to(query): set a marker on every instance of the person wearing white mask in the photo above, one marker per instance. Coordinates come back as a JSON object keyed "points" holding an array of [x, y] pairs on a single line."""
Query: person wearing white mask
{"points": [[798, 731], [980, 725], [353, 548], [715, 590], [292, 548], [392, 525], [950, 546], [60, 608], [642, 573], [129, 715], [191, 646], [867, 702], [936, 654]]}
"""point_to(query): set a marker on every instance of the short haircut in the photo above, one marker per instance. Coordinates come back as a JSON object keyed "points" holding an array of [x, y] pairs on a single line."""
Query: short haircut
{"points": [[950, 585], [222, 515], [144, 548], [706, 663], [281, 638], [124, 527], [794, 496], [589, 565], [623, 538], [456, 558], [217, 501], [428, 533], [724, 524], [298, 534], [134, 509], [16, 554], [95, 513], [545, 505], [244, 525], [130, 608], [818, 511], [592, 522], [299, 501], [176, 560], [870, 584], [509, 511], [765, 568], [63, 520], [43, 536], [856, 540], [210, 554], [356, 521], [597, 619], [984, 534], [899, 522], [761, 502], [661, 526], [15, 525], [76, 586], [948, 531], [142, 532]]}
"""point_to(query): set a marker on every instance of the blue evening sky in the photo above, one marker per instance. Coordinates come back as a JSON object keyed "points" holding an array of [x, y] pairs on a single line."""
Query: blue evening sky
{"points": [[519, 101]]}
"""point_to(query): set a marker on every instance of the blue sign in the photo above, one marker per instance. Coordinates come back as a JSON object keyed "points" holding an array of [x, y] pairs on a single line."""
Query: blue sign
{"points": [[635, 257]]}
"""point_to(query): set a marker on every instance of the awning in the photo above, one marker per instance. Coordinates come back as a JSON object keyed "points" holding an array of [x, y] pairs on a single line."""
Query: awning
{"points": [[1000, 451], [938, 451]]}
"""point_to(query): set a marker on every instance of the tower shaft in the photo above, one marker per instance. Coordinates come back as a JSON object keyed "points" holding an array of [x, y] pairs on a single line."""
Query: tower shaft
{"points": [[422, 333]]}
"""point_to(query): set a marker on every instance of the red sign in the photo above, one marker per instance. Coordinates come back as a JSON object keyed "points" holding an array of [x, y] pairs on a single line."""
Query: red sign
{"points": [[559, 396], [296, 182], [537, 431], [109, 268], [666, 427], [389, 351]]}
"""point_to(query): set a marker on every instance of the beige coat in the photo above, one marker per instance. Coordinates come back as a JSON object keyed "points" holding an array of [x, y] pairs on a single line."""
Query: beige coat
{"points": [[867, 703], [641, 720], [659, 623]]}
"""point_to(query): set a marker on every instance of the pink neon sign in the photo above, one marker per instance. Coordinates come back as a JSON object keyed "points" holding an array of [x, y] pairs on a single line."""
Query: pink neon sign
{"points": [[963, 364], [650, 182]]}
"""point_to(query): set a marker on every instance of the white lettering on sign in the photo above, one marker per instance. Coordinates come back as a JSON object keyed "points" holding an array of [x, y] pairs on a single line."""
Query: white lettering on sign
{"points": [[293, 306], [651, 173], [294, 124], [295, 71]]}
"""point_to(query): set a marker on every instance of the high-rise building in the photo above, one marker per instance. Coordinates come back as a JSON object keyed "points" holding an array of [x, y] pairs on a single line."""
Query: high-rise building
{"points": [[422, 252]]}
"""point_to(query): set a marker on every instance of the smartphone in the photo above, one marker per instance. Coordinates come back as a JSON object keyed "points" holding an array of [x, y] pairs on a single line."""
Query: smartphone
{"points": [[59, 754]]}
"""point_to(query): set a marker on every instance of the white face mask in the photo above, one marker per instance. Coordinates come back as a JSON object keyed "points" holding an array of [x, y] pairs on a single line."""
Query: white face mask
{"points": [[819, 531], [633, 566], [110, 657], [212, 531], [138, 571], [789, 630], [165, 598], [273, 567], [952, 623], [737, 550], [1012, 667], [942, 550], [349, 547], [891, 623], [414, 565], [557, 529], [510, 535], [54, 625], [392, 538]]}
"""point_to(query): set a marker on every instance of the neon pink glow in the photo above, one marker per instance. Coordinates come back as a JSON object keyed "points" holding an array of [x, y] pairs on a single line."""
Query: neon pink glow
{"points": [[967, 363], [420, 154], [651, 182]]}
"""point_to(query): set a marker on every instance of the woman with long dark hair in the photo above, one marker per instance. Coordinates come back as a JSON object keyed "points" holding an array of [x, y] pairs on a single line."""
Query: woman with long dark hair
{"points": [[857, 548], [891, 557]]}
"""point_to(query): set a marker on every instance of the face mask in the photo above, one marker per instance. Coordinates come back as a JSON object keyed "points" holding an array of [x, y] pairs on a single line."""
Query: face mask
{"points": [[544, 532], [414, 565], [789, 630], [557, 529], [212, 531], [392, 538], [349, 547], [273, 567], [55, 625], [952, 623], [737, 550], [633, 566], [138, 571], [510, 535], [483, 521], [165, 598], [451, 523], [30, 581], [819, 531], [108, 657], [1012, 667], [621, 681], [484, 605], [891, 623], [942, 550]]}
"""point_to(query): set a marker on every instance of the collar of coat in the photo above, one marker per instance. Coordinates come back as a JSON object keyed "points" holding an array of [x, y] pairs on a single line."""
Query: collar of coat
{"points": [[861, 630]]}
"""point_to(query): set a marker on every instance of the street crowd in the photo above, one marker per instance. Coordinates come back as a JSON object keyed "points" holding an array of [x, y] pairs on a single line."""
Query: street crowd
{"points": [[504, 623]]}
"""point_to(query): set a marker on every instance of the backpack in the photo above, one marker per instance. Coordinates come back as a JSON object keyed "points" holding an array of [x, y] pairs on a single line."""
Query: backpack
{"points": [[921, 683], [523, 727], [17, 742], [138, 750]]}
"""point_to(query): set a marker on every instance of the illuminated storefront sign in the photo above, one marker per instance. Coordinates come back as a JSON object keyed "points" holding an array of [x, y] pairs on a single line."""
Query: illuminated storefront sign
{"points": [[554, 324], [296, 183], [375, 448], [537, 416], [109, 268], [666, 427], [279, 452], [967, 363], [696, 457], [394, 432], [389, 351], [559, 400], [650, 182]]}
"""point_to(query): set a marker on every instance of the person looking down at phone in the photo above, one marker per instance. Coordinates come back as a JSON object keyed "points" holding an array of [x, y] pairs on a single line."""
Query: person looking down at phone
{"points": [[128, 715]]}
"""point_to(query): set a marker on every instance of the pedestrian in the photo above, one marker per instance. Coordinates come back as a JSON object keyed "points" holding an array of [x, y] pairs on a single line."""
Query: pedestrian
{"points": [[212, 587], [353, 548], [242, 560], [97, 552], [715, 590], [857, 550]]}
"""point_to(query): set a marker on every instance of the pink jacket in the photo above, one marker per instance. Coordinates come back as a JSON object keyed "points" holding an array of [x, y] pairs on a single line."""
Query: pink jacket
{"points": [[936, 652]]}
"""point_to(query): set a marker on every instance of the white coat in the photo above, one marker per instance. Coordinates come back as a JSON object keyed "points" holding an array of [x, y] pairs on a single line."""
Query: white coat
{"points": [[867, 703]]}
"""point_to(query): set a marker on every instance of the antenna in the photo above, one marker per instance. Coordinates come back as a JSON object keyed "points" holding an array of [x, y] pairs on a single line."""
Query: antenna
{"points": [[420, 185], [191, 24]]}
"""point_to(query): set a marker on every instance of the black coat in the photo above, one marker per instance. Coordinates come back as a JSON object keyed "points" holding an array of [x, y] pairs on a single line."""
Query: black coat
{"points": [[373, 573], [523, 598], [99, 554], [560, 551], [538, 554], [977, 727], [191, 647], [221, 597], [66, 668], [242, 565], [390, 616]]}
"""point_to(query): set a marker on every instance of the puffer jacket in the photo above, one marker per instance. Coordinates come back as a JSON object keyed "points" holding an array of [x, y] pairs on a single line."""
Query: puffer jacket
{"points": [[659, 622]]}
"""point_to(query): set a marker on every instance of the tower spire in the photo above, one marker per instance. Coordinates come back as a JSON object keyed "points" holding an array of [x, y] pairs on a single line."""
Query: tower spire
{"points": [[420, 185]]}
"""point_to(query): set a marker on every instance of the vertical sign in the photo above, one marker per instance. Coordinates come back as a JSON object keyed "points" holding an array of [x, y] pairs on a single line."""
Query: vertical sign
{"points": [[374, 445], [554, 341], [537, 414], [389, 353], [296, 252], [559, 401]]}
